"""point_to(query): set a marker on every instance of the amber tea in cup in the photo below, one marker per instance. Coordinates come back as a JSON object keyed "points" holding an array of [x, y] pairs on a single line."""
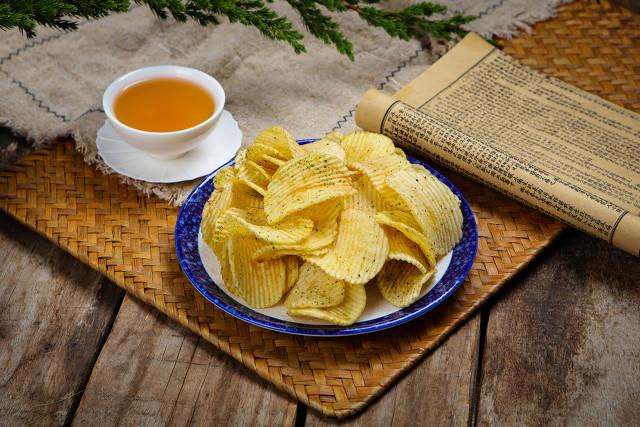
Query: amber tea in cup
{"points": [[163, 105]]}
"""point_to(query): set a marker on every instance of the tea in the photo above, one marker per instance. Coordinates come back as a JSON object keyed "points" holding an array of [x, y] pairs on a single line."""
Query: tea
{"points": [[163, 105]]}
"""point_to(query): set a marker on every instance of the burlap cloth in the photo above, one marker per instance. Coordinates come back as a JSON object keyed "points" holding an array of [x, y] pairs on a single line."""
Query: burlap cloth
{"points": [[52, 85]]}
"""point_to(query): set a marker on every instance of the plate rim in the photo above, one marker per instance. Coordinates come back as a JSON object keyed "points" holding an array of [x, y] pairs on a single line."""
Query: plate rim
{"points": [[469, 243]]}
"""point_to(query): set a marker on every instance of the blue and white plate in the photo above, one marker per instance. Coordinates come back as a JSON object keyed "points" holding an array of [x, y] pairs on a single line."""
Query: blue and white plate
{"points": [[202, 268]]}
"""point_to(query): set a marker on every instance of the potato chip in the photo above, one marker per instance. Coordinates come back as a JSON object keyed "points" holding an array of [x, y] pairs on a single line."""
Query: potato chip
{"points": [[323, 212], [315, 289], [317, 243], [244, 197], [288, 231], [346, 313], [401, 283], [240, 157], [360, 146], [219, 201], [446, 206], [334, 136], [274, 160], [403, 249], [325, 218], [292, 264], [223, 176], [304, 181], [224, 227], [378, 169], [406, 185], [251, 174], [259, 170], [279, 139], [262, 155], [404, 223], [400, 152], [323, 146], [360, 249], [259, 284], [366, 197], [225, 270]]}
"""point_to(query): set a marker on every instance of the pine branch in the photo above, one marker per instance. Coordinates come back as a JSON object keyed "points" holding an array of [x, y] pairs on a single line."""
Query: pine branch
{"points": [[322, 26], [27, 15], [412, 21]]}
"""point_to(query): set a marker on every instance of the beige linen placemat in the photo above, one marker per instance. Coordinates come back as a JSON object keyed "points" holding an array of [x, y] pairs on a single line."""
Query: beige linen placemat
{"points": [[52, 85]]}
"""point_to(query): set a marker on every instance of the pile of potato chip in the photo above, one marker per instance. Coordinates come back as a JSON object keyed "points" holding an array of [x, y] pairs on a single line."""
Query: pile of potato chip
{"points": [[316, 224]]}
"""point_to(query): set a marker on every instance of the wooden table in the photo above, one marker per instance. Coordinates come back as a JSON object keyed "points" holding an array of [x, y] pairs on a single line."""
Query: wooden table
{"points": [[559, 345]]}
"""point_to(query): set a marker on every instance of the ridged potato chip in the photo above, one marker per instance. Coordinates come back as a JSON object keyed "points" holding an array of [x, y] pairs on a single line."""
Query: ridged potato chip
{"points": [[315, 289], [305, 181], [252, 177], [323, 146], [292, 264], [425, 193], [323, 212], [288, 231], [225, 227], [325, 218], [317, 243], [279, 139], [344, 314], [224, 176], [360, 249], [274, 160], [407, 188], [245, 197], [404, 223], [334, 136], [360, 146], [401, 283], [378, 169], [366, 197], [264, 155], [403, 249], [260, 284], [220, 200], [225, 269], [446, 206]]}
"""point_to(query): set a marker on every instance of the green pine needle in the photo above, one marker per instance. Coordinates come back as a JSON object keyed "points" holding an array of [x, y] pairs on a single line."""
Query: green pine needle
{"points": [[410, 22]]}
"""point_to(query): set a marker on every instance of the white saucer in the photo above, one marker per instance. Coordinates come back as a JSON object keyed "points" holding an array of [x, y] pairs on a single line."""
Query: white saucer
{"points": [[221, 145]]}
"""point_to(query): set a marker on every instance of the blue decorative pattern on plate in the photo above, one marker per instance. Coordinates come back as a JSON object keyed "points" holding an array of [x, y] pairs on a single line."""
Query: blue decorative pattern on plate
{"points": [[197, 264]]}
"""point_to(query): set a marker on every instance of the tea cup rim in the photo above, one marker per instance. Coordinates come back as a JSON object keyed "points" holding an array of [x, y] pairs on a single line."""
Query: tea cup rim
{"points": [[213, 87]]}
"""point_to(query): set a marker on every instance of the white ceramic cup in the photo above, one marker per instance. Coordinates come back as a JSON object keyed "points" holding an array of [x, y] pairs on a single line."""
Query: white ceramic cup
{"points": [[164, 145]]}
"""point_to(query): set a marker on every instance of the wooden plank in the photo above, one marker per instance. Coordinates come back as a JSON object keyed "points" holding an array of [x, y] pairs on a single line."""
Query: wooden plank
{"points": [[437, 391], [562, 345], [152, 371], [54, 315]]}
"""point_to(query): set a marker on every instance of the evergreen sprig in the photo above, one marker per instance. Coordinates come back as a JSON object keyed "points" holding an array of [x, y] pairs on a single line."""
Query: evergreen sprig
{"points": [[409, 22]]}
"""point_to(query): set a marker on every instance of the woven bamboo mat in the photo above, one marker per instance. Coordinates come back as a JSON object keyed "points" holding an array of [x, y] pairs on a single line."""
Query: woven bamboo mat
{"points": [[129, 237]]}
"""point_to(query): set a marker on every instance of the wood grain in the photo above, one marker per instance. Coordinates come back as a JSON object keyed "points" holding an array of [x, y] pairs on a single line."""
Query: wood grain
{"points": [[152, 371], [438, 390], [54, 314], [562, 344]]}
